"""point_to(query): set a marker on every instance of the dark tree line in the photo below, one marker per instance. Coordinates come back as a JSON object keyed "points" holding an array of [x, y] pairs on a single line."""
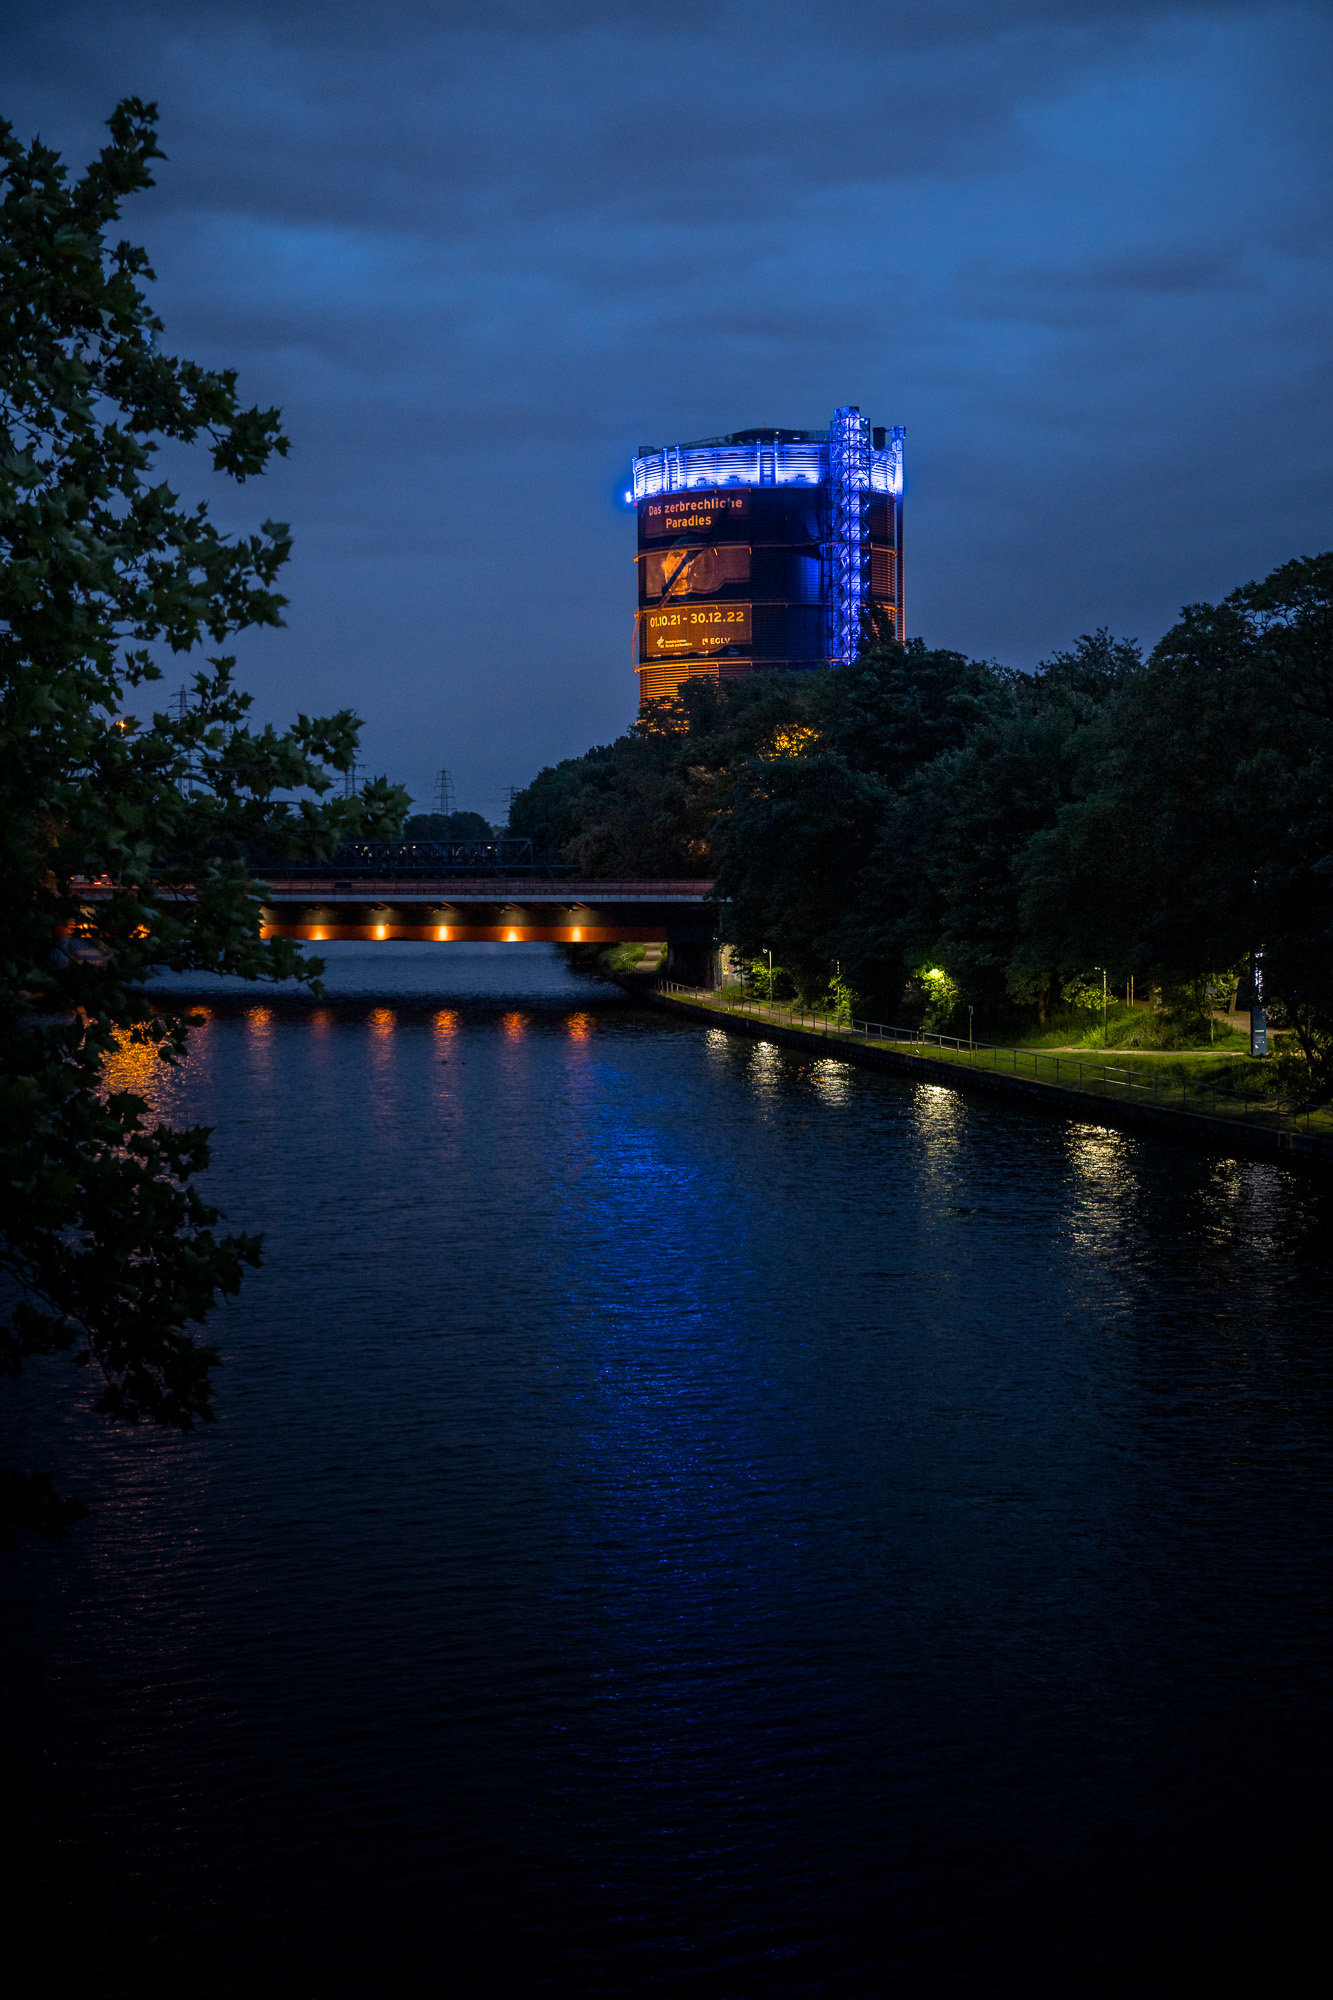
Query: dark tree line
{"points": [[1162, 819], [447, 826]]}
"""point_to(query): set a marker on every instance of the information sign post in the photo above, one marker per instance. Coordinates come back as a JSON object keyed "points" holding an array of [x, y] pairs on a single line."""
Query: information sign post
{"points": [[1258, 1018]]}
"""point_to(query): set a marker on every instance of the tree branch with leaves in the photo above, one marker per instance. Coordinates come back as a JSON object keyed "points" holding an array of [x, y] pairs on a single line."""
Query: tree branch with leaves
{"points": [[124, 846]]}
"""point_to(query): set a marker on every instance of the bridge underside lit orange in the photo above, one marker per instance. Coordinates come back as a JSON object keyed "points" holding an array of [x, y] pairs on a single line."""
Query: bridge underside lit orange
{"points": [[466, 933], [498, 911]]}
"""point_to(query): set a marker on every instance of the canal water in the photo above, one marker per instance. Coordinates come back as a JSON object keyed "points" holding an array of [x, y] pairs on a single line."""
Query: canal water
{"points": [[687, 1518]]}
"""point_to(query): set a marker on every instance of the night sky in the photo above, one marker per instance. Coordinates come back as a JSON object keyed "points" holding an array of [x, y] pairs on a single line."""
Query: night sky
{"points": [[480, 253]]}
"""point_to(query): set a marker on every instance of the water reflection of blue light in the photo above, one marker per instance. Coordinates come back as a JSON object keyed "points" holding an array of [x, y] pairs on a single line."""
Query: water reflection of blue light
{"points": [[723, 1509]]}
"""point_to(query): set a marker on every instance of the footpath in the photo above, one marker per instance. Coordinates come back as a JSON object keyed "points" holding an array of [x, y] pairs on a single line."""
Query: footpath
{"points": [[1243, 1125]]}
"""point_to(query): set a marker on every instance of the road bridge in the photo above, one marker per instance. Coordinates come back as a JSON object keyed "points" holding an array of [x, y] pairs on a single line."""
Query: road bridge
{"points": [[501, 910]]}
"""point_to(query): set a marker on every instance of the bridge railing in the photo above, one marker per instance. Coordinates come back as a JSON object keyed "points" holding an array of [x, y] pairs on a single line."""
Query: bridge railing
{"points": [[407, 860], [1070, 1072]]}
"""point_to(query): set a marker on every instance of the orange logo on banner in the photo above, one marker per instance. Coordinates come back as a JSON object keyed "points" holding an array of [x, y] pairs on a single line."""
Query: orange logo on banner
{"points": [[703, 628]]}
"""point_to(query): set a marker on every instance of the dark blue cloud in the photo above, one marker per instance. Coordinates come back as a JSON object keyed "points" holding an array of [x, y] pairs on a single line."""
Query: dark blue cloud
{"points": [[479, 255]]}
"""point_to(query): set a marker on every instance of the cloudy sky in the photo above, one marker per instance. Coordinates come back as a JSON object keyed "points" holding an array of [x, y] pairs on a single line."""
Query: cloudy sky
{"points": [[478, 253]]}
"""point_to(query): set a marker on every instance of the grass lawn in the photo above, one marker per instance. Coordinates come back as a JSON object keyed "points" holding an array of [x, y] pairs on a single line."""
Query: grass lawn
{"points": [[1215, 1081], [1228, 1066], [1127, 1028], [634, 957]]}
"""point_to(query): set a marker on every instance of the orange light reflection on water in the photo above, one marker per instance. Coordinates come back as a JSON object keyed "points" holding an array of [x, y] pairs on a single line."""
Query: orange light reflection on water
{"points": [[514, 1025], [261, 1044], [382, 1021], [445, 1025], [580, 1027], [131, 1065], [136, 1066]]}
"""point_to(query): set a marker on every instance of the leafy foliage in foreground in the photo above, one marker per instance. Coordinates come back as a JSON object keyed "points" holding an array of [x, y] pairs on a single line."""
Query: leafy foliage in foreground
{"points": [[921, 814], [122, 847]]}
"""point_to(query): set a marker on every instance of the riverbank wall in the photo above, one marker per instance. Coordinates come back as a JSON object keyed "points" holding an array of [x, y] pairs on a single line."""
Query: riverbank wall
{"points": [[1234, 1138]]}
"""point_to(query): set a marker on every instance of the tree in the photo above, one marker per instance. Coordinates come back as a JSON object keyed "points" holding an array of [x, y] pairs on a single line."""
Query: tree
{"points": [[778, 785], [447, 826], [647, 804], [947, 879], [1204, 831], [1290, 793], [896, 707], [804, 860], [123, 846], [799, 827]]}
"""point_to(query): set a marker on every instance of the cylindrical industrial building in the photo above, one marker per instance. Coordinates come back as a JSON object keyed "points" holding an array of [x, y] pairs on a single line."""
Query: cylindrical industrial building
{"points": [[762, 550]]}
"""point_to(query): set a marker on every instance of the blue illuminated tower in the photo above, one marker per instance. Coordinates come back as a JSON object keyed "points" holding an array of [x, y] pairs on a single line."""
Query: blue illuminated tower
{"points": [[764, 550]]}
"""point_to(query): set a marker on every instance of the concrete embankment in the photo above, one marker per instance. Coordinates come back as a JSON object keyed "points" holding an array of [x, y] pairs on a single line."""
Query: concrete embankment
{"points": [[1234, 1137]]}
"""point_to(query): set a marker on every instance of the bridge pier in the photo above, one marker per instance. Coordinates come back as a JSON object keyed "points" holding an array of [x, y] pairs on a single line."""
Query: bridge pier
{"points": [[692, 949]]}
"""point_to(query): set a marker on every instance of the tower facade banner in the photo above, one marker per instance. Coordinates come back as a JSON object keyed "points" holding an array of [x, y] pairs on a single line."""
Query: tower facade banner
{"points": [[765, 550]]}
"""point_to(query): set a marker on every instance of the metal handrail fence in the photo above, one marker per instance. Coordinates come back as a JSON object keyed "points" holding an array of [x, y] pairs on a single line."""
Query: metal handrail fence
{"points": [[1068, 1071]]}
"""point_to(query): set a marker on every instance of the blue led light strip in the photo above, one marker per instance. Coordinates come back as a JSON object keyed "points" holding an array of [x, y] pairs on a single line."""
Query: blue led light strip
{"points": [[847, 551]]}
